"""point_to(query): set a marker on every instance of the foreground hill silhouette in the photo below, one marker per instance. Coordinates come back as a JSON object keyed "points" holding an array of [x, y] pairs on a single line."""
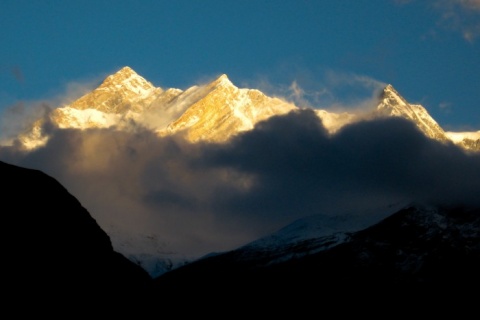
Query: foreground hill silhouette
{"points": [[55, 255], [54, 251], [416, 258]]}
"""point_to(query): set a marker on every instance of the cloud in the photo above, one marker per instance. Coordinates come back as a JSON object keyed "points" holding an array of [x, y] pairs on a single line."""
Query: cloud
{"points": [[445, 107], [350, 92], [18, 117], [15, 71], [330, 90], [18, 74], [461, 16], [376, 159], [198, 198], [303, 92], [74, 90]]}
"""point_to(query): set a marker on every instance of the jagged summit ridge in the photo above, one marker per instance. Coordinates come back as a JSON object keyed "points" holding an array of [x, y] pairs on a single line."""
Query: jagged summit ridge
{"points": [[392, 101], [220, 110], [129, 80], [393, 104], [211, 112], [214, 111], [223, 80], [121, 92]]}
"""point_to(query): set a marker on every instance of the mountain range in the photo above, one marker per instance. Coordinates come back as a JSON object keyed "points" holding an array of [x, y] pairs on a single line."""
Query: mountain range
{"points": [[212, 112], [216, 113], [409, 259], [416, 257]]}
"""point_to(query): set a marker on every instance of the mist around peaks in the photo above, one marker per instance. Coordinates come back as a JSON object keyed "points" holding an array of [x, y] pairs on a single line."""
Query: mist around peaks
{"points": [[206, 197], [197, 198], [329, 90]]}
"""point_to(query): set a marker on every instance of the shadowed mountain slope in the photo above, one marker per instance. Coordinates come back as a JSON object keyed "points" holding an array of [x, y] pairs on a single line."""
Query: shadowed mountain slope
{"points": [[53, 250], [417, 256]]}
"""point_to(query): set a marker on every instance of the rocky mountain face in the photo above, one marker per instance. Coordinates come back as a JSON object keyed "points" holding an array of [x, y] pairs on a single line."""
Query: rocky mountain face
{"points": [[54, 251], [212, 112], [416, 258], [220, 110], [415, 253], [392, 104]]}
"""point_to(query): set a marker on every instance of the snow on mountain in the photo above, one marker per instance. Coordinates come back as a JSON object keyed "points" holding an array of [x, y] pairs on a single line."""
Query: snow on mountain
{"points": [[460, 136], [313, 234], [212, 112], [218, 110], [121, 92], [416, 252], [468, 140], [120, 98], [68, 117], [392, 104], [35, 137], [215, 112], [148, 251], [333, 121]]}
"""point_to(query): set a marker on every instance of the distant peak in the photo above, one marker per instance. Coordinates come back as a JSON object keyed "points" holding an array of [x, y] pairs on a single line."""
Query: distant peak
{"points": [[389, 91], [125, 71], [391, 100], [222, 81], [128, 79], [389, 88], [223, 77]]}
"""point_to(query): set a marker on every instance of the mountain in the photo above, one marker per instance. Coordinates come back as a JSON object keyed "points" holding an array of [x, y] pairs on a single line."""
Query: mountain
{"points": [[467, 140], [312, 234], [418, 254], [220, 110], [53, 249], [212, 112], [403, 259], [148, 251], [392, 104]]}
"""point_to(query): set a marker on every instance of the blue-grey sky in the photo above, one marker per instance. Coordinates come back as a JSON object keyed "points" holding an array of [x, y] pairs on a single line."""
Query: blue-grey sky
{"points": [[428, 50]]}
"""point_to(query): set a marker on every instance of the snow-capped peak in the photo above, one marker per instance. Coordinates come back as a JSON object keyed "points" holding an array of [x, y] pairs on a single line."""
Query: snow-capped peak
{"points": [[392, 96], [214, 111], [222, 81], [129, 80], [393, 104]]}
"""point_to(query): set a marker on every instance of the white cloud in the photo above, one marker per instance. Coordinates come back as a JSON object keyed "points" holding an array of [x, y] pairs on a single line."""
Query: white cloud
{"points": [[19, 116], [330, 90]]}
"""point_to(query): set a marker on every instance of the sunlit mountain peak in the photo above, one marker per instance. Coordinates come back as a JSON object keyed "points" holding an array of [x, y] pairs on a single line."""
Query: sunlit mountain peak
{"points": [[222, 81], [128, 80], [390, 97], [212, 112], [393, 104]]}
